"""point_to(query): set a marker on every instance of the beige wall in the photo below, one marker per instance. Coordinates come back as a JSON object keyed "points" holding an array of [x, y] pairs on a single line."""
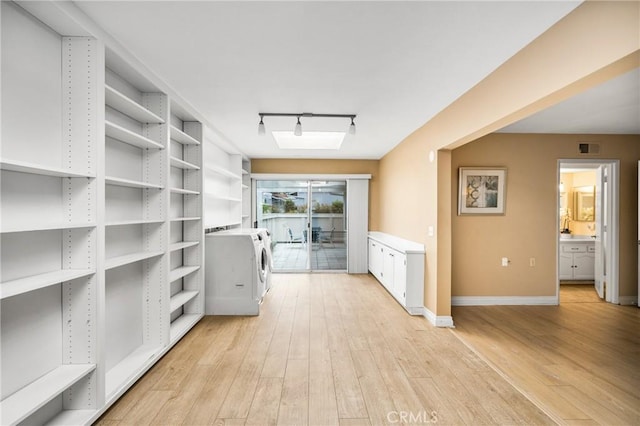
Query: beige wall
{"points": [[528, 229], [295, 166], [566, 60]]}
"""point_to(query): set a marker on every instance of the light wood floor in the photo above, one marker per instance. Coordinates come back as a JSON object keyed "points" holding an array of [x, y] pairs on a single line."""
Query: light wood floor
{"points": [[580, 361], [327, 349]]}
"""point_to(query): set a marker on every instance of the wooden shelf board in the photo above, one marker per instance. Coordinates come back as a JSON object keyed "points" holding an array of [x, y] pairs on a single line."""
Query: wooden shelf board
{"points": [[244, 216], [133, 222], [129, 367], [182, 324], [72, 417], [35, 282], [182, 245], [184, 191], [182, 272], [126, 259], [30, 398], [181, 164], [128, 106], [245, 186], [109, 180], [184, 219], [127, 136], [51, 227], [37, 169], [223, 172], [244, 172], [181, 299], [180, 136]]}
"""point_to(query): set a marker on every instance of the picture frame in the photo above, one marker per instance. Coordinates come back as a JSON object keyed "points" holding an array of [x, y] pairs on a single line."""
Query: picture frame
{"points": [[482, 190]]}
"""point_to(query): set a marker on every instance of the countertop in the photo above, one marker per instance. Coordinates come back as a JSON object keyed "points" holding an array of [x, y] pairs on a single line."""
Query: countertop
{"points": [[570, 238]]}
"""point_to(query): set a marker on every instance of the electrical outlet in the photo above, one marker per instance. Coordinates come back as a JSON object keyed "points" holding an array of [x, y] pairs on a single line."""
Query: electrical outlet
{"points": [[532, 261], [505, 261]]}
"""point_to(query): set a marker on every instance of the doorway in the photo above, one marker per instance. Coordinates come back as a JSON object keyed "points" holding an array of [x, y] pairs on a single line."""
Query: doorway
{"points": [[307, 221], [588, 226]]}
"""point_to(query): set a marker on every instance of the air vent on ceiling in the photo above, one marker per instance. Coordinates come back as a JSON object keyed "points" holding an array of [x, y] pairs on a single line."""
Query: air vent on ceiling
{"points": [[589, 148]]}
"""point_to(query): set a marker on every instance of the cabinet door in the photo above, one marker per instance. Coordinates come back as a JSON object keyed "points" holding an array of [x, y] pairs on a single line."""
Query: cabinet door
{"points": [[584, 266], [375, 259], [566, 266], [400, 277], [388, 268]]}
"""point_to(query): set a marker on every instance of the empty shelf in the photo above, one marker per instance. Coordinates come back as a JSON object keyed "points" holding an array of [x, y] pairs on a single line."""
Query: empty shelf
{"points": [[72, 417], [109, 180], [30, 398], [126, 259], [181, 164], [44, 227], [182, 245], [129, 107], [131, 366], [222, 197], [35, 282], [133, 222], [37, 169], [184, 219], [181, 272], [181, 298], [182, 324], [223, 172], [180, 136], [127, 136], [184, 191]]}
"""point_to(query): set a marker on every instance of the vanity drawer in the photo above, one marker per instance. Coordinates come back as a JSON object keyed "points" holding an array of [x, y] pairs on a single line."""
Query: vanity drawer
{"points": [[574, 248]]}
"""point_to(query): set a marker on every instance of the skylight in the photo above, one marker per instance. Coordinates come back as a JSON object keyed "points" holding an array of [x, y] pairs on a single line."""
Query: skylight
{"points": [[309, 140]]}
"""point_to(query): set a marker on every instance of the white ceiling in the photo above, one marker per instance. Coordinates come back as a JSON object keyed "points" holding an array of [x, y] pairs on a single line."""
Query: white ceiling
{"points": [[610, 108], [394, 64]]}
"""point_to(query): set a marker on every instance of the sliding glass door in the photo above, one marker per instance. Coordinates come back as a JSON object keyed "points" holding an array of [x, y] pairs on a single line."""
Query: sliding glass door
{"points": [[307, 222]]}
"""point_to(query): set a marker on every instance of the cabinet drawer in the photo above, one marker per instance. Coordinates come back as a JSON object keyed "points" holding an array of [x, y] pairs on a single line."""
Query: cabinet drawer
{"points": [[591, 248], [574, 248]]}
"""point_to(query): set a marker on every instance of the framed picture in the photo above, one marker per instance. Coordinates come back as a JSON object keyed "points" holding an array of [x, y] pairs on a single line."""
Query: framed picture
{"points": [[481, 190]]}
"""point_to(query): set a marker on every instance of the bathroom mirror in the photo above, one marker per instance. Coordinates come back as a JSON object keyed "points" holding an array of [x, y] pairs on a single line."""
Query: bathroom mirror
{"points": [[584, 208]]}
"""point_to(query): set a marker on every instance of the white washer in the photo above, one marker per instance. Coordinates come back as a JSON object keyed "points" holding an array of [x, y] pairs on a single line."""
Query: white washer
{"points": [[266, 240], [236, 269]]}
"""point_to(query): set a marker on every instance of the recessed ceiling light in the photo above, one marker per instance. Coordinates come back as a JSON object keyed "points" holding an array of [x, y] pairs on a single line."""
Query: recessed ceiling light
{"points": [[309, 140]]}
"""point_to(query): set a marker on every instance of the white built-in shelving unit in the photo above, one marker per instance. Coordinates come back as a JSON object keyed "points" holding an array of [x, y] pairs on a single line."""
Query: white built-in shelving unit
{"points": [[186, 251], [223, 180], [50, 267], [246, 193], [101, 231]]}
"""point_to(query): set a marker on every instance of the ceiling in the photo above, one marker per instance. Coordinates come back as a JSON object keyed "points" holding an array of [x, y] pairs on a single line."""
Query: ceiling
{"points": [[394, 64]]}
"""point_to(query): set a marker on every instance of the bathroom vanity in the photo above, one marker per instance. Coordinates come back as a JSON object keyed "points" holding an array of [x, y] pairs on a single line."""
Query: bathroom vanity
{"points": [[577, 258]]}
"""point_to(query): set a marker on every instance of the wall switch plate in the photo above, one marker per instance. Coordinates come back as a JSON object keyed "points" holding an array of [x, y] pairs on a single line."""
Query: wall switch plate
{"points": [[532, 261], [430, 231], [505, 261]]}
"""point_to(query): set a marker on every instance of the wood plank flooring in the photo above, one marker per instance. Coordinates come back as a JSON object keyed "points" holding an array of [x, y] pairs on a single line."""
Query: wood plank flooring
{"points": [[579, 361], [327, 349]]}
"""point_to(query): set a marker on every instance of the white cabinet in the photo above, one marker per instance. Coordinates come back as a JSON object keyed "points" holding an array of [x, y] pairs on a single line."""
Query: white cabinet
{"points": [[399, 266], [577, 260]]}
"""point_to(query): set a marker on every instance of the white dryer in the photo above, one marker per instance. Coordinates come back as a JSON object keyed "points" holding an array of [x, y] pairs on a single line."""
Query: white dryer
{"points": [[236, 269]]}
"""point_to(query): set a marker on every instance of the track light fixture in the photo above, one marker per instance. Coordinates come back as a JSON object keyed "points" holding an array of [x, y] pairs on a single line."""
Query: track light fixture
{"points": [[298, 128]]}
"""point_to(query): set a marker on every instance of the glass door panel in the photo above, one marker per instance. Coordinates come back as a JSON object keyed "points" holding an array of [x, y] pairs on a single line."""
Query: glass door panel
{"points": [[328, 249], [282, 208]]}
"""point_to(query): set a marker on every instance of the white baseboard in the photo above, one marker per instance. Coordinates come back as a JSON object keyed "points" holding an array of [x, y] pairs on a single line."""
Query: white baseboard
{"points": [[438, 321], [503, 300], [628, 300]]}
